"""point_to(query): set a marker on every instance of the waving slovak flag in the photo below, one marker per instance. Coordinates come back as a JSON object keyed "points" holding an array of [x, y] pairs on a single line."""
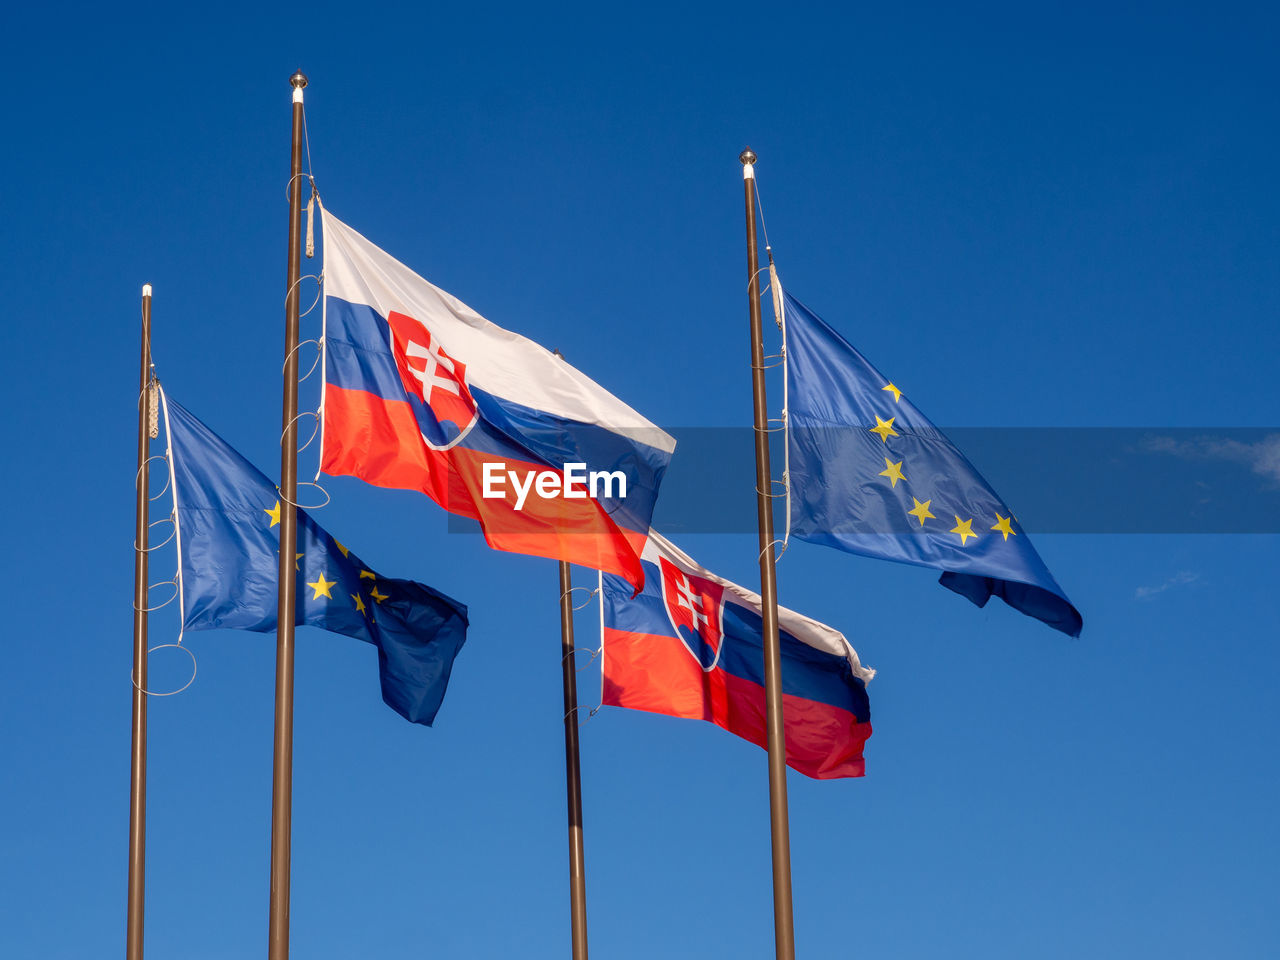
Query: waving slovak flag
{"points": [[423, 393], [691, 645]]}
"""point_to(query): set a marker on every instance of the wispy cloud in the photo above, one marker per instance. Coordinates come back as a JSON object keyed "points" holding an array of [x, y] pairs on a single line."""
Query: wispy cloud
{"points": [[1178, 579], [1262, 457]]}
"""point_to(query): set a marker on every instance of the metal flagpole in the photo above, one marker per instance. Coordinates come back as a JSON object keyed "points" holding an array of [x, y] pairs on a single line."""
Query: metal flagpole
{"points": [[573, 777], [783, 921], [138, 752], [282, 762]]}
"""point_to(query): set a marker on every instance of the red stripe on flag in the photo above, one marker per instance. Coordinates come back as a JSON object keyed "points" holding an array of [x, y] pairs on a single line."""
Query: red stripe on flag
{"points": [[643, 671], [378, 440]]}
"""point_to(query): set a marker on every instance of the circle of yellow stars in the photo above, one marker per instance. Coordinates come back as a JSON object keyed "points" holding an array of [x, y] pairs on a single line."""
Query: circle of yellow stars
{"points": [[893, 472], [323, 587]]}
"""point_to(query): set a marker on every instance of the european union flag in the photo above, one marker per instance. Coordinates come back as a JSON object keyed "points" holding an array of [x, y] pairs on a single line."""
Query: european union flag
{"points": [[871, 475], [228, 547]]}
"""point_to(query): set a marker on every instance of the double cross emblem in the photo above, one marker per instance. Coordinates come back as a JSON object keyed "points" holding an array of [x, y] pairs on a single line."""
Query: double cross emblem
{"points": [[446, 411], [695, 608], [428, 376], [686, 598]]}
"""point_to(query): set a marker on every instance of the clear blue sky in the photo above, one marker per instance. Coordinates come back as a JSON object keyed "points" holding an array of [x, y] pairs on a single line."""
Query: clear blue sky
{"points": [[1059, 216]]}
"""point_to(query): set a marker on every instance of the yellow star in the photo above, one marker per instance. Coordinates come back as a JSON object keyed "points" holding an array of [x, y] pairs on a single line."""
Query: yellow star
{"points": [[344, 550], [368, 573], [921, 511], [274, 514], [359, 602], [897, 394], [1002, 526], [894, 472], [322, 587], [378, 597], [965, 529], [884, 428]]}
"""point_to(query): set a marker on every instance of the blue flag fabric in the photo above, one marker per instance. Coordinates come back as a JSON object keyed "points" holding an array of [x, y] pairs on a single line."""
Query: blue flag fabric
{"points": [[228, 544], [871, 475]]}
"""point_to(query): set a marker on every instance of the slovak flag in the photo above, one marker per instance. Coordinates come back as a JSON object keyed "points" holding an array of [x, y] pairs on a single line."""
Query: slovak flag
{"points": [[423, 393], [691, 645]]}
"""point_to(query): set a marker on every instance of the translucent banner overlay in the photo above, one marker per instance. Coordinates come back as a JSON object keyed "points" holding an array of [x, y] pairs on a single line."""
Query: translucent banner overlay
{"points": [[1054, 479]]}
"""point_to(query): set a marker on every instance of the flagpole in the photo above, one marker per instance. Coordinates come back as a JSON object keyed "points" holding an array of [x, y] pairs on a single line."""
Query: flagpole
{"points": [[573, 777], [138, 750], [783, 920], [282, 760]]}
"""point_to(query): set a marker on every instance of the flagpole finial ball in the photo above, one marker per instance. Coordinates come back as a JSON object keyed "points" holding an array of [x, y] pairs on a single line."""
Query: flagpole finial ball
{"points": [[298, 80], [747, 156]]}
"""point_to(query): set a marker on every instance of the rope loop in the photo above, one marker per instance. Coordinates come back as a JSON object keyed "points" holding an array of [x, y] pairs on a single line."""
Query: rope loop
{"points": [[319, 279], [310, 370], [156, 523], [306, 483], [590, 660], [288, 187], [591, 712], [137, 477], [773, 496], [777, 556], [577, 650], [159, 583], [164, 646], [591, 594], [319, 292], [314, 415], [316, 362]]}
